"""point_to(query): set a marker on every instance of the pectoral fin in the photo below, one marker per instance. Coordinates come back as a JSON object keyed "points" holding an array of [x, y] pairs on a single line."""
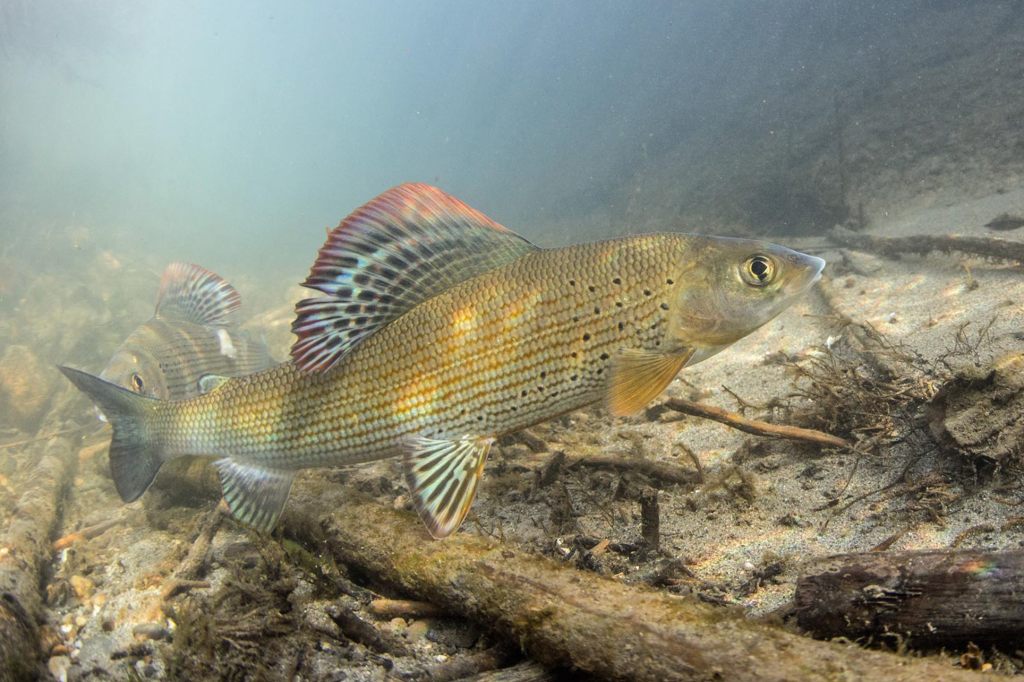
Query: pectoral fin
{"points": [[210, 382], [638, 376], [442, 476], [255, 494]]}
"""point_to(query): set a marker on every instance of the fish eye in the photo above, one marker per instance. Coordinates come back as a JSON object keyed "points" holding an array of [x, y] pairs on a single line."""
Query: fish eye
{"points": [[758, 270], [136, 381]]}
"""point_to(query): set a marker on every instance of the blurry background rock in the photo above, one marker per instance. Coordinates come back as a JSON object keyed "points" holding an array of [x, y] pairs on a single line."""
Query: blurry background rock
{"points": [[26, 388]]}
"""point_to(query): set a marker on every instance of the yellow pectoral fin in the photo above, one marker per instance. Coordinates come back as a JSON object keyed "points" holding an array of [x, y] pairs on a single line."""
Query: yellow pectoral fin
{"points": [[638, 376]]}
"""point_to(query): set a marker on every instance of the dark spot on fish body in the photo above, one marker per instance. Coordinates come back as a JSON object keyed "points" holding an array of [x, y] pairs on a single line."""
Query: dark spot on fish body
{"points": [[586, 337], [617, 280]]}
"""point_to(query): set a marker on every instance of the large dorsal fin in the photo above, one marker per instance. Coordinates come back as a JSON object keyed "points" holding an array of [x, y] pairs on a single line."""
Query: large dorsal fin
{"points": [[189, 292], [407, 245]]}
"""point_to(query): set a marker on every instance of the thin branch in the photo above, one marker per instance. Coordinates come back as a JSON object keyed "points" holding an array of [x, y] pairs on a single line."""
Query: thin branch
{"points": [[755, 426]]}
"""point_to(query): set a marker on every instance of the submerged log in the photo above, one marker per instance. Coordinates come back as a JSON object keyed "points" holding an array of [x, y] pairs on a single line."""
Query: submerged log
{"points": [[25, 548], [987, 247], [925, 598], [567, 618]]}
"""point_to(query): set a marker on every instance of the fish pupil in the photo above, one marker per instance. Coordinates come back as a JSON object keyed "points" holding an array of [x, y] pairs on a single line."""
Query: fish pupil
{"points": [[760, 268], [137, 384]]}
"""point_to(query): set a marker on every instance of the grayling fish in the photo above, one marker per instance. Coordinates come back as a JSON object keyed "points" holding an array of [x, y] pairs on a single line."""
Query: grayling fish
{"points": [[191, 340], [442, 331]]}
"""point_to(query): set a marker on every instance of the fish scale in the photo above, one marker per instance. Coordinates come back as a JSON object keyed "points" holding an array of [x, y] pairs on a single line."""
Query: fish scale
{"points": [[440, 330]]}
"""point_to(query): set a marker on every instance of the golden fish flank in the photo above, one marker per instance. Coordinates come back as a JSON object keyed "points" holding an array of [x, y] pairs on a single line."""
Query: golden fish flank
{"points": [[442, 330]]}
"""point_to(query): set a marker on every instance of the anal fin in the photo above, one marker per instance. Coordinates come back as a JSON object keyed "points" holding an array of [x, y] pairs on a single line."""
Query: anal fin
{"points": [[254, 494], [638, 376], [442, 476]]}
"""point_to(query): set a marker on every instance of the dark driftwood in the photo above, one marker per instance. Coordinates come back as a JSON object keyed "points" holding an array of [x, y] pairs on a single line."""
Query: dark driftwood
{"points": [[24, 552], [527, 671], [930, 598], [567, 618], [987, 247]]}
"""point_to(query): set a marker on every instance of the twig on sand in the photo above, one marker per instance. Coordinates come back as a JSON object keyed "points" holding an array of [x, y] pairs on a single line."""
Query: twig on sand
{"points": [[86, 533], [403, 608], [192, 566], [668, 473], [755, 426], [988, 247]]}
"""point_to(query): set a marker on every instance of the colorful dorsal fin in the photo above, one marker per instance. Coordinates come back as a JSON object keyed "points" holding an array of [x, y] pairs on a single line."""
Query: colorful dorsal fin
{"points": [[255, 494], [442, 476], [189, 292], [638, 376], [407, 245]]}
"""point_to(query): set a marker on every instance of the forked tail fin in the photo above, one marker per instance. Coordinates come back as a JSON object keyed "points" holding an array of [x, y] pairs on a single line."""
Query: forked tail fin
{"points": [[135, 454]]}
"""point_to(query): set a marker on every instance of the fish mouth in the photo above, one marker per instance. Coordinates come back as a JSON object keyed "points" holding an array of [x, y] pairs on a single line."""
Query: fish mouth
{"points": [[817, 266], [810, 269]]}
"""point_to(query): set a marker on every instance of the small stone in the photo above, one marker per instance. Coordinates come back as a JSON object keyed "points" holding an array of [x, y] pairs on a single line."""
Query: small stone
{"points": [[150, 631], [398, 623], [81, 621], [748, 567], [418, 629], [58, 667], [81, 586]]}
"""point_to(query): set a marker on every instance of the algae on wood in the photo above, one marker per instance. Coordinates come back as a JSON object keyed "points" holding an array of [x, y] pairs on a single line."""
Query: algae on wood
{"points": [[25, 549], [567, 618]]}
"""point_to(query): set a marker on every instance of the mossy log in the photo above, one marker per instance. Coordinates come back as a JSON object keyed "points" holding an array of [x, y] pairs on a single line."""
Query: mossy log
{"points": [[923, 598], [567, 618], [25, 549]]}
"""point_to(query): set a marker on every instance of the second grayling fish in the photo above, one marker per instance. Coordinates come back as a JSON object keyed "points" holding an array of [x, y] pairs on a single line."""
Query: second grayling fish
{"points": [[192, 336]]}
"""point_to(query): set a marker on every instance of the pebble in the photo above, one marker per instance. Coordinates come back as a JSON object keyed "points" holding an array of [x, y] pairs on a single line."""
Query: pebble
{"points": [[82, 586], [418, 629], [58, 667]]}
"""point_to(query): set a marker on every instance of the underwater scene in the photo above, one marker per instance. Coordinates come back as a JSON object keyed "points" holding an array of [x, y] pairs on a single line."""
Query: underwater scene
{"points": [[511, 341]]}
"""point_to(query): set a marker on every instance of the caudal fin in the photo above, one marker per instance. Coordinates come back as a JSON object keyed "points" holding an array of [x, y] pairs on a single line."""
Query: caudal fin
{"points": [[135, 456]]}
